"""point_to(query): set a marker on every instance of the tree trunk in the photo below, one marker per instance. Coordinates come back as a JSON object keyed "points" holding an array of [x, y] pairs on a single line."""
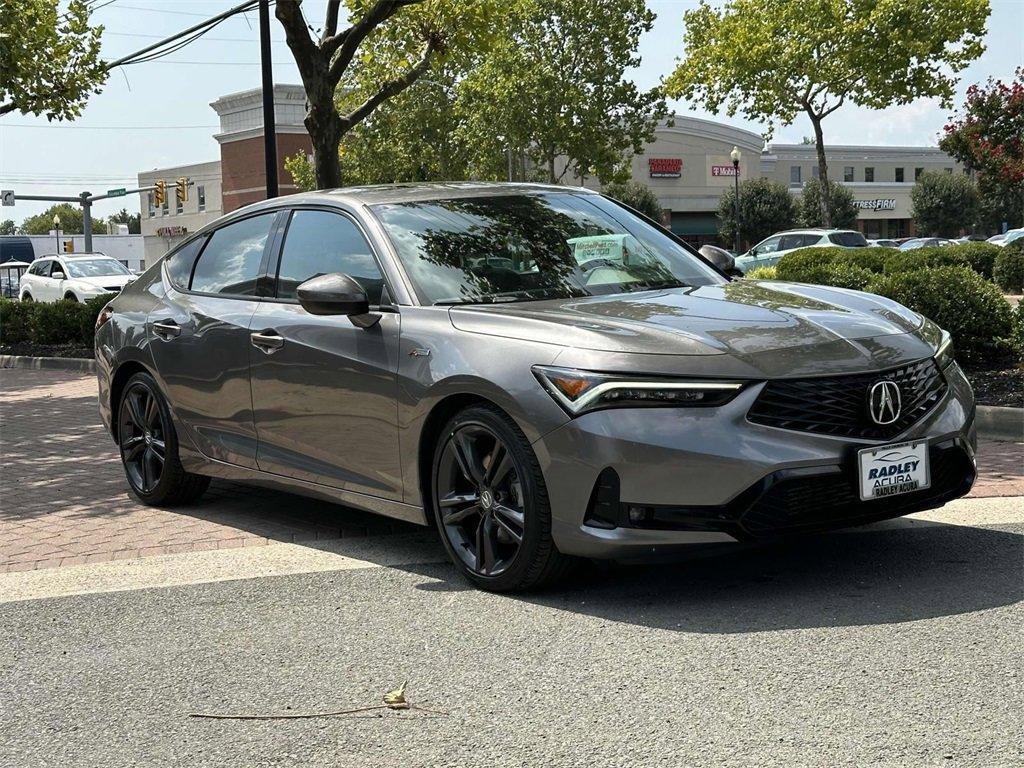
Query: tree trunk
{"points": [[325, 131], [551, 168], [825, 198]]}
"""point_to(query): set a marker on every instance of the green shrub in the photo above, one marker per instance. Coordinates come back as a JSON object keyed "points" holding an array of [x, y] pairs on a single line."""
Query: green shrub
{"points": [[981, 256], [63, 322], [804, 265], [971, 308], [763, 273], [15, 321], [1017, 337], [839, 275], [1008, 270], [925, 258], [793, 266]]}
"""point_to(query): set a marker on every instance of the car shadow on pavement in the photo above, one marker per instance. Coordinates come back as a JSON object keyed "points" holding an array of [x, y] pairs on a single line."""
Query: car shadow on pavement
{"points": [[866, 576]]}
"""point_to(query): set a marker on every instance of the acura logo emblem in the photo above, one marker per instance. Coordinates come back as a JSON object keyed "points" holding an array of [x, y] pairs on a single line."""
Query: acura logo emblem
{"points": [[884, 402]]}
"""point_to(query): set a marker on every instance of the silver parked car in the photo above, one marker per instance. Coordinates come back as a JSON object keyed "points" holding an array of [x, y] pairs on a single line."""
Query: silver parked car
{"points": [[539, 372], [768, 252]]}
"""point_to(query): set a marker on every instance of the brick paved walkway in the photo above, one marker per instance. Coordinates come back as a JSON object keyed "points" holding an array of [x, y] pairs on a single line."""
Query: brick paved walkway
{"points": [[64, 499]]}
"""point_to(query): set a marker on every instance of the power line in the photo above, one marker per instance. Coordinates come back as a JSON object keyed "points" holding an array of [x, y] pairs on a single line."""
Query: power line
{"points": [[209, 39], [109, 127]]}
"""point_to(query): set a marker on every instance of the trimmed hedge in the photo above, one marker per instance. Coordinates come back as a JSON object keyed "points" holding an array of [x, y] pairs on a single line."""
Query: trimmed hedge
{"points": [[793, 266], [762, 273], [62, 322], [960, 300], [980, 257], [926, 258], [840, 275], [1017, 338], [1008, 271]]}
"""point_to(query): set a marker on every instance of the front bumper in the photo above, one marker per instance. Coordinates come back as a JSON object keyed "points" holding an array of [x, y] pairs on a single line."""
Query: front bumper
{"points": [[695, 476]]}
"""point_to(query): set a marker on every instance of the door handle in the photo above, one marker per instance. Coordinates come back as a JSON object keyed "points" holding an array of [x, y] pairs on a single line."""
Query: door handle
{"points": [[166, 329], [267, 341]]}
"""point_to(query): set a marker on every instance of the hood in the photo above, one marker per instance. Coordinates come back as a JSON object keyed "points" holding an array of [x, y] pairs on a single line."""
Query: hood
{"points": [[109, 281], [749, 320]]}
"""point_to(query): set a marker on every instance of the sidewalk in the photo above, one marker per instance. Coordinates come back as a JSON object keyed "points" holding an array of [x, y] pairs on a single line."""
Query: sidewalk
{"points": [[64, 500]]}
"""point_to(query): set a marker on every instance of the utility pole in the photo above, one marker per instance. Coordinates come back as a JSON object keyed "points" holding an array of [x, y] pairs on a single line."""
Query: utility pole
{"points": [[269, 130]]}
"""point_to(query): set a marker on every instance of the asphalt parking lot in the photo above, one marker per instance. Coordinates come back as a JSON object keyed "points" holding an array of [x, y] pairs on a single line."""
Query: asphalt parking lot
{"points": [[894, 644]]}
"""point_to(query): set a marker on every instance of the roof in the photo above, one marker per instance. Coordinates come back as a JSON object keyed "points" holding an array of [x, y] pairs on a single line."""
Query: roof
{"points": [[417, 192]]}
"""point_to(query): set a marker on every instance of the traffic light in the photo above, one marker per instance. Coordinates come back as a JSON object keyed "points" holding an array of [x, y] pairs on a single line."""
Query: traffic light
{"points": [[181, 189], [69, 246], [160, 193]]}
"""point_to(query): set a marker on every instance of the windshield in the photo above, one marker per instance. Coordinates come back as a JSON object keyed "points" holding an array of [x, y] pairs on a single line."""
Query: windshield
{"points": [[526, 247], [96, 268]]}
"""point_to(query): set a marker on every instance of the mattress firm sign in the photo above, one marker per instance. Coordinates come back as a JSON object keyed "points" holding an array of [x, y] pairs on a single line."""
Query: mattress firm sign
{"points": [[878, 204], [665, 167]]}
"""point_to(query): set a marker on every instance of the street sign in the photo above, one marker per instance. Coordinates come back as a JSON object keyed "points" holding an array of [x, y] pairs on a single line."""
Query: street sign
{"points": [[116, 192], [7, 197]]}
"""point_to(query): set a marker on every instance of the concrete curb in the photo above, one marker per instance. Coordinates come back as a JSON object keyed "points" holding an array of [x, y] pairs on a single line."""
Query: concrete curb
{"points": [[78, 364], [1000, 422], [993, 421]]}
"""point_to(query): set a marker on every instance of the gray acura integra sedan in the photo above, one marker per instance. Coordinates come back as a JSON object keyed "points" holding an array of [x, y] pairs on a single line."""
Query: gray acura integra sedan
{"points": [[540, 372]]}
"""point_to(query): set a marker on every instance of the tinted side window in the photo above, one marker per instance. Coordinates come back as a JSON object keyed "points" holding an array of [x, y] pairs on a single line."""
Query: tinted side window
{"points": [[41, 268], [769, 246], [179, 263], [790, 241], [321, 242], [849, 239], [230, 263], [57, 267]]}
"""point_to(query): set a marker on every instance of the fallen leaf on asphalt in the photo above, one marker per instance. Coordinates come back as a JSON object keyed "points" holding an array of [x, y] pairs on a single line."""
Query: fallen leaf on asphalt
{"points": [[395, 699]]}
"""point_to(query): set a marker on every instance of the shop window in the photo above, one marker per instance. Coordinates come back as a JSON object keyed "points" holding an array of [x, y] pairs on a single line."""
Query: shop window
{"points": [[794, 174], [150, 208], [848, 173], [917, 173], [201, 197], [869, 174], [899, 174]]}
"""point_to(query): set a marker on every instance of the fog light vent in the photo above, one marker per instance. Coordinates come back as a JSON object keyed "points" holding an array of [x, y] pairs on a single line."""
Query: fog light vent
{"points": [[603, 510]]}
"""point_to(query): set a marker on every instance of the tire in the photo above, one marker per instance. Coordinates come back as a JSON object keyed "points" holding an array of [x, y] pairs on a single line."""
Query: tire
{"points": [[144, 429], [26, 297], [70, 297], [478, 519]]}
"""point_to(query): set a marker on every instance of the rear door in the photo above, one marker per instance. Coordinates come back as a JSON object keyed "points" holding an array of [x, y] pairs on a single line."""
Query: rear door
{"points": [[33, 283], [199, 335], [323, 389]]}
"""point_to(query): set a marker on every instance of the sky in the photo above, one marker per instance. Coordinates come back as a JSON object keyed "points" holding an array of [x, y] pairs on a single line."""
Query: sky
{"points": [[157, 114]]}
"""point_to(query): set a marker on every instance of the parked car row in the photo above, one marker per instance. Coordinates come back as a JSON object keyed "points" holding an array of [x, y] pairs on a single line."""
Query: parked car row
{"points": [[77, 278]]}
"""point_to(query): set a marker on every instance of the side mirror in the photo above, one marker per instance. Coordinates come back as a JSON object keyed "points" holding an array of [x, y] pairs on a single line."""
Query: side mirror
{"points": [[720, 257], [58, 276], [336, 294]]}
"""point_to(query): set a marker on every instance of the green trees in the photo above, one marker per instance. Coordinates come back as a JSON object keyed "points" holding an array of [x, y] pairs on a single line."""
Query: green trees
{"points": [[133, 220], [775, 59], [987, 136], [766, 207], [70, 220], [635, 195], [554, 90], [8, 227], [49, 57], [842, 211], [944, 203], [387, 46]]}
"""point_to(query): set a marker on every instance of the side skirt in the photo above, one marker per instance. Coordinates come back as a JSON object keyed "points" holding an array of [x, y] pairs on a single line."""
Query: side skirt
{"points": [[199, 464]]}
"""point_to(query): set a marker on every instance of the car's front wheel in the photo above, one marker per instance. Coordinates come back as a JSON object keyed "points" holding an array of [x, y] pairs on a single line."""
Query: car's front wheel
{"points": [[491, 505], [149, 447]]}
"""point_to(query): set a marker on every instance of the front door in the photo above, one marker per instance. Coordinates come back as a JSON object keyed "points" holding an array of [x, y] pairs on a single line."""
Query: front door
{"points": [[324, 389], [199, 336]]}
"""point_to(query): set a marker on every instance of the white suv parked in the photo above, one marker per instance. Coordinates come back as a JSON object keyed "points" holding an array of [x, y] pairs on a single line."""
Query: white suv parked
{"points": [[768, 252], [78, 278]]}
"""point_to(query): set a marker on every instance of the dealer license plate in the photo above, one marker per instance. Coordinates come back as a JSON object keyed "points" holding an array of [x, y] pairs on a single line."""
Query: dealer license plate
{"points": [[894, 469]]}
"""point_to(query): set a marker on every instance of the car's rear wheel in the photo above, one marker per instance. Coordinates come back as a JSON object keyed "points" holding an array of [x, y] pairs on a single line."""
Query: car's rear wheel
{"points": [[149, 447], [26, 297], [491, 505], [70, 297]]}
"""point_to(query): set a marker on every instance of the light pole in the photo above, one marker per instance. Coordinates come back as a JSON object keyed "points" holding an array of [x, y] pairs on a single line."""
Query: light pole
{"points": [[56, 231], [735, 155]]}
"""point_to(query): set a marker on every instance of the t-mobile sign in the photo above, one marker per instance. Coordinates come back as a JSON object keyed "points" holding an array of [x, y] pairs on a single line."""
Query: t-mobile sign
{"points": [[724, 170]]}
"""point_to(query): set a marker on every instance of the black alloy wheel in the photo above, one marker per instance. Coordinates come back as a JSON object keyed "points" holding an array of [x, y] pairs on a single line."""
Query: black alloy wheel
{"points": [[149, 447], [490, 503], [142, 432]]}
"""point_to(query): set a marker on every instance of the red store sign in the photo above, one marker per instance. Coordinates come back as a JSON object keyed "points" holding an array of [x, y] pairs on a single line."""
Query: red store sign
{"points": [[665, 167]]}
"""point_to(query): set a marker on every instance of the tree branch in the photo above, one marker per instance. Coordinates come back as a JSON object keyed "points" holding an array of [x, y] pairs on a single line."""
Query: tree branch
{"points": [[5, 108], [392, 87], [347, 43], [331, 22], [296, 33]]}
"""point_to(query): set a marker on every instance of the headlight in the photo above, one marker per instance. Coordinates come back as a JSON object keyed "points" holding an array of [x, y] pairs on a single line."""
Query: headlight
{"points": [[944, 354], [581, 391]]}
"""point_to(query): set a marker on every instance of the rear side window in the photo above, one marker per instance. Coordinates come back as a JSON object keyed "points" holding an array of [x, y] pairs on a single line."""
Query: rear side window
{"points": [[848, 239], [41, 268], [179, 264], [321, 242], [230, 262]]}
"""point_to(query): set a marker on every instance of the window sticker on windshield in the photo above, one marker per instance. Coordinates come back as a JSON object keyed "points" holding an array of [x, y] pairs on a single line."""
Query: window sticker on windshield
{"points": [[608, 247]]}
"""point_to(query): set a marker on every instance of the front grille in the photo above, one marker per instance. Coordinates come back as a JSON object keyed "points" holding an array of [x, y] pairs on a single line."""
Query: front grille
{"points": [[112, 288], [795, 503], [839, 405]]}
